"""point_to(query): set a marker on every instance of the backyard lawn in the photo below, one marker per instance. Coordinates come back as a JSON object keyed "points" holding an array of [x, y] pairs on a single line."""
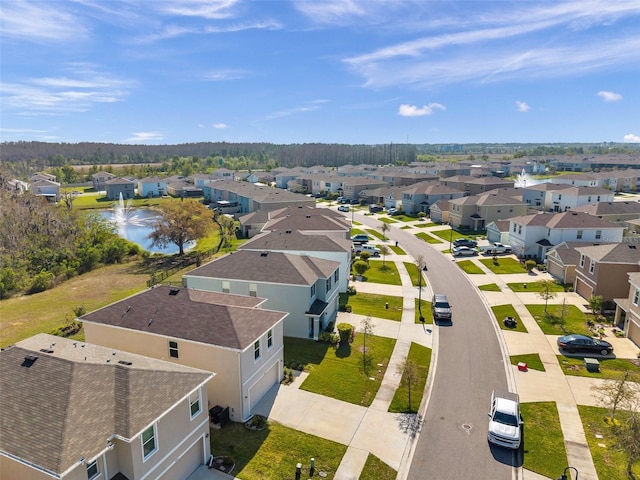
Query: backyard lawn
{"points": [[532, 360], [553, 322], [378, 274], [503, 265], [544, 451], [328, 367], [372, 305], [503, 311], [272, 453], [421, 357], [610, 368], [427, 238], [469, 267]]}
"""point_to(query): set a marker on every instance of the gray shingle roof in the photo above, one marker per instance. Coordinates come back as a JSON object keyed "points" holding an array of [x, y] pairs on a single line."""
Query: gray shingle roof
{"points": [[613, 253], [67, 403], [294, 240], [221, 319]]}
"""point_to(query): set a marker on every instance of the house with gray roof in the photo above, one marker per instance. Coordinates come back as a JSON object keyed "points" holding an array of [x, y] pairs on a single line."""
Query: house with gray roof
{"points": [[439, 211], [303, 286], [616, 212], [419, 197], [561, 261], [561, 197], [476, 212], [117, 186], [47, 189], [232, 336], [305, 219], [73, 410], [152, 186], [99, 179]]}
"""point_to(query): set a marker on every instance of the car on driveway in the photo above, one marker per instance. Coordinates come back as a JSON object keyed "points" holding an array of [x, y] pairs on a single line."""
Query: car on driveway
{"points": [[465, 242], [360, 238], [464, 252], [343, 208], [582, 343]]}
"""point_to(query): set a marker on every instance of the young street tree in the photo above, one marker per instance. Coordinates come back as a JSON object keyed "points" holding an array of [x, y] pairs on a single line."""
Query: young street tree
{"points": [[616, 394], [546, 291], [367, 326], [384, 228], [408, 370], [181, 222], [384, 251], [595, 305]]}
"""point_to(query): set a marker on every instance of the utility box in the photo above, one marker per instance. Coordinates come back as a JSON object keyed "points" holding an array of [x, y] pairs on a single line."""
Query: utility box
{"points": [[592, 365]]}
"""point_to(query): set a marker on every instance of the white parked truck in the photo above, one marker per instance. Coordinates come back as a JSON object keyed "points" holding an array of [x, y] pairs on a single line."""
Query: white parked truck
{"points": [[505, 420], [495, 248]]}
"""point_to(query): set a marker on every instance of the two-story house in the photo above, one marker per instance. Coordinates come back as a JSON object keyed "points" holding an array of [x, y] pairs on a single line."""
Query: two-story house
{"points": [[419, 197], [231, 336], [152, 187], [628, 309], [305, 219], [531, 236], [76, 411], [99, 179], [305, 287], [616, 212], [476, 212], [116, 187]]}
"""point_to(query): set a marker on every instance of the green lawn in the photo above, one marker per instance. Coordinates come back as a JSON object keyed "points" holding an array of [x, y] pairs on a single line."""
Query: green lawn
{"points": [[272, 453], [421, 356], [378, 274], [544, 451], [388, 220], [552, 322], [610, 368], [376, 469], [427, 314], [533, 286], [358, 231], [375, 233], [326, 365], [372, 305], [397, 250], [469, 267], [406, 227], [412, 269], [424, 224], [94, 200], [532, 360], [610, 463], [503, 311], [427, 238], [448, 234], [503, 265], [489, 287]]}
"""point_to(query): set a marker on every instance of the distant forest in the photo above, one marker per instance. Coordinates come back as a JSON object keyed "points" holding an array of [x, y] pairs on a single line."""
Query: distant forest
{"points": [[23, 158]]}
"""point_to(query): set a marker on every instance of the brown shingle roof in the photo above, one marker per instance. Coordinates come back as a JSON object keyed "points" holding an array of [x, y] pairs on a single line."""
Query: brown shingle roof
{"points": [[194, 315], [66, 404]]}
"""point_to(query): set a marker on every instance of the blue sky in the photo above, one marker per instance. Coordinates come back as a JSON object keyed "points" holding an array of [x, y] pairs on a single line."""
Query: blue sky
{"points": [[343, 71]]}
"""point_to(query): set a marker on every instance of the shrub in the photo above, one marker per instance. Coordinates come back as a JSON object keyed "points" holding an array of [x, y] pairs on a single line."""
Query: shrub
{"points": [[365, 256], [345, 332], [421, 214], [530, 265], [351, 290], [41, 282], [328, 337]]}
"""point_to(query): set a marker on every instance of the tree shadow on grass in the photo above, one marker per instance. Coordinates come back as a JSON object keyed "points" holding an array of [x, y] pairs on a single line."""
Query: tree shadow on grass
{"points": [[343, 351]]}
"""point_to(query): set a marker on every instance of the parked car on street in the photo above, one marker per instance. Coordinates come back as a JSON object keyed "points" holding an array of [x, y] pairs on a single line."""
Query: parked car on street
{"points": [[375, 208], [440, 307], [464, 252], [343, 208], [465, 242], [582, 343], [504, 419], [342, 200]]}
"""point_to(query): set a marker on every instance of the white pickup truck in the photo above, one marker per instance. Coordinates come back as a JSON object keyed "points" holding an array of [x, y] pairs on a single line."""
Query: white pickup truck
{"points": [[505, 419], [495, 248]]}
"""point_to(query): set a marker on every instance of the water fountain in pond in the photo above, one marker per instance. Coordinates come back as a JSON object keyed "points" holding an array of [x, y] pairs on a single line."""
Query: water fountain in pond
{"points": [[124, 215], [523, 179]]}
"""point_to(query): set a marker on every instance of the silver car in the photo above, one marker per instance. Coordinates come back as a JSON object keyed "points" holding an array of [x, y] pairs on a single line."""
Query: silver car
{"points": [[464, 252]]}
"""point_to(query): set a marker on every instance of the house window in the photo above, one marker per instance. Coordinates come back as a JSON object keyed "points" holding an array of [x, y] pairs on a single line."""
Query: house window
{"points": [[581, 261], [328, 284], [636, 296], [313, 290], [579, 234], [194, 403], [336, 276], [519, 229], [149, 442], [269, 339], [226, 286], [592, 266], [598, 234], [253, 290], [499, 210], [514, 228], [173, 349], [92, 469], [256, 351], [589, 199], [598, 198]]}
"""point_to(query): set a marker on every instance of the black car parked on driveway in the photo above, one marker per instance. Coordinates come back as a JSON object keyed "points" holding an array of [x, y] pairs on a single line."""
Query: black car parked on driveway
{"points": [[581, 343], [465, 242]]}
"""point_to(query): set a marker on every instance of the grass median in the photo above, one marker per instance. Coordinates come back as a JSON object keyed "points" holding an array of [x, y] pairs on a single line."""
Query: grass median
{"points": [[503, 311], [559, 319], [373, 305], [402, 402], [544, 451]]}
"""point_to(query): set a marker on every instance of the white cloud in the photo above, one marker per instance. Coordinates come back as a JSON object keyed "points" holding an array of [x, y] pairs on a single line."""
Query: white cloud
{"points": [[609, 96], [211, 9], [522, 106], [220, 125], [222, 75], [39, 22], [631, 138], [407, 110], [144, 137]]}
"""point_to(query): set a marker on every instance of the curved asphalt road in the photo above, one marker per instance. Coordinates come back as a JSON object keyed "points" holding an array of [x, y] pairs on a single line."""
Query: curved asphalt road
{"points": [[453, 439]]}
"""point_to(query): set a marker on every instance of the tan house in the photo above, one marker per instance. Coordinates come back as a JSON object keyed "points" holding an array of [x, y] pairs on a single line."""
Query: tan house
{"points": [[602, 269], [476, 212], [76, 411], [628, 309], [439, 211], [228, 335]]}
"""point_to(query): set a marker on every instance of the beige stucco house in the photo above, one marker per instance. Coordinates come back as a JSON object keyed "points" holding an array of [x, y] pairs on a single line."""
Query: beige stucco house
{"points": [[628, 309], [476, 212], [76, 411]]}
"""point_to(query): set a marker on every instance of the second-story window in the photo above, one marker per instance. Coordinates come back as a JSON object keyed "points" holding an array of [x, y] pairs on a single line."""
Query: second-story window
{"points": [[313, 290], [336, 275], [226, 286], [328, 284], [269, 339], [581, 261], [256, 351], [592, 266], [253, 290], [579, 234], [598, 234], [173, 349]]}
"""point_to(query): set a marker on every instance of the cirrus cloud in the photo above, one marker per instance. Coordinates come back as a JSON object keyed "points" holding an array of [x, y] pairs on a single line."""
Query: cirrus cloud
{"points": [[609, 96], [407, 110], [220, 125], [631, 138]]}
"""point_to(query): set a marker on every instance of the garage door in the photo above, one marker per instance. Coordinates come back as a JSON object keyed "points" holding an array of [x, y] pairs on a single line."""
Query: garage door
{"points": [[263, 385], [634, 332], [185, 465], [583, 289]]}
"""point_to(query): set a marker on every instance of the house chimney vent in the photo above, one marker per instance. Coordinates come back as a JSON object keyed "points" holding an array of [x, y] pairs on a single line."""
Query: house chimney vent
{"points": [[29, 360]]}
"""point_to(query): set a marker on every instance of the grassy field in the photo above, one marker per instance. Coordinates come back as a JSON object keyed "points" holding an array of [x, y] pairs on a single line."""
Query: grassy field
{"points": [[610, 463], [533, 286], [326, 364], [376, 469], [421, 357], [272, 453], [544, 451], [93, 200], [427, 238], [532, 360], [503, 311], [553, 322], [489, 287], [427, 314], [503, 265], [372, 305], [387, 275], [469, 267], [610, 368]]}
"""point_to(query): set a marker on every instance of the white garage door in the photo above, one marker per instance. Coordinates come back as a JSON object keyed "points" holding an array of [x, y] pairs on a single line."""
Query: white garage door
{"points": [[185, 465], [634, 332], [263, 385]]}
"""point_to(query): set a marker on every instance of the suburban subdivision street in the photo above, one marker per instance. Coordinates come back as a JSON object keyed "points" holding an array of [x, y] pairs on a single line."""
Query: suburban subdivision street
{"points": [[452, 443]]}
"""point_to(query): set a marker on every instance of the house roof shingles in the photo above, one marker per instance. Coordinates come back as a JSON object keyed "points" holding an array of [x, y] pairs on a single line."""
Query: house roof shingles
{"points": [[294, 240]]}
